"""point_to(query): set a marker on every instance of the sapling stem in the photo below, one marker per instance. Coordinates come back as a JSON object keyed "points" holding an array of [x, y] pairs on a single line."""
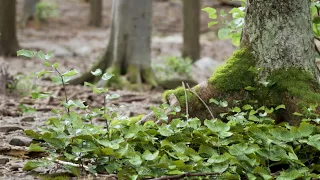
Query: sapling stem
{"points": [[64, 90]]}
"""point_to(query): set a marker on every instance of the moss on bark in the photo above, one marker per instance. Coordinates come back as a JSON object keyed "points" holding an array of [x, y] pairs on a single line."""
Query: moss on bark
{"points": [[294, 87]]}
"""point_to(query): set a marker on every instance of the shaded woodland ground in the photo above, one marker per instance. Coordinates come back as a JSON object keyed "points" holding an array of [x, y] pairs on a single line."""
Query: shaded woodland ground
{"points": [[76, 45]]}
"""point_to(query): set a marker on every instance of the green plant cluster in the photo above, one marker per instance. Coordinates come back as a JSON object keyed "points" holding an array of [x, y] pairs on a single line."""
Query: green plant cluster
{"points": [[173, 66], [45, 10], [243, 143]]}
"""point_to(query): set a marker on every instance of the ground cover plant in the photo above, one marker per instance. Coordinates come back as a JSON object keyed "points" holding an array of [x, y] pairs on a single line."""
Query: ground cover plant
{"points": [[242, 142]]}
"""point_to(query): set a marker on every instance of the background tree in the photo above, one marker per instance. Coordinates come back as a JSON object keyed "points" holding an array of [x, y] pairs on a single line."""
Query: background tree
{"points": [[191, 29], [275, 64], [95, 18], [8, 38], [29, 10], [128, 52]]}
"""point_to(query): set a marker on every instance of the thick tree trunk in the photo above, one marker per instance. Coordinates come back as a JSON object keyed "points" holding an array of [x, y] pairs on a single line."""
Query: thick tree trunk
{"points": [[191, 29], [280, 34], [129, 49], [95, 13], [277, 41], [8, 38], [29, 11]]}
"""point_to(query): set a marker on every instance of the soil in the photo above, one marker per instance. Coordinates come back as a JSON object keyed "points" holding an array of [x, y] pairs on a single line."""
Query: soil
{"points": [[76, 45]]}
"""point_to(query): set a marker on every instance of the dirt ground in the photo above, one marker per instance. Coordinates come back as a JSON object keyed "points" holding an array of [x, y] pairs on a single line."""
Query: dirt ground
{"points": [[76, 45]]}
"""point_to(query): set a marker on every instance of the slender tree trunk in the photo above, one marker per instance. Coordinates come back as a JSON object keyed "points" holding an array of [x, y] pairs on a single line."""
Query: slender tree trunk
{"points": [[129, 48], [8, 38], [29, 11], [95, 13], [191, 29], [275, 64]]}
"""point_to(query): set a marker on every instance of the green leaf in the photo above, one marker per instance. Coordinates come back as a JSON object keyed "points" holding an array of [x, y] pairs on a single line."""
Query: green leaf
{"points": [[97, 72], [282, 106], [43, 72], [147, 155], [314, 141], [70, 73], [106, 76], [135, 160], [250, 88], [55, 65], [35, 148], [26, 53], [305, 129], [224, 33], [292, 174], [212, 23], [112, 96], [30, 165], [165, 131]]}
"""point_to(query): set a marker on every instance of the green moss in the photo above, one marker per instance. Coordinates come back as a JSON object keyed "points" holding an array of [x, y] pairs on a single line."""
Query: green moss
{"points": [[180, 94], [298, 83], [116, 81], [235, 75]]}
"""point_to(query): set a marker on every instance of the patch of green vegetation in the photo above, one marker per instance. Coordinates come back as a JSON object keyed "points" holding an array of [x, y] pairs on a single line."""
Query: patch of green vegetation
{"points": [[250, 145], [298, 83], [180, 94], [235, 75]]}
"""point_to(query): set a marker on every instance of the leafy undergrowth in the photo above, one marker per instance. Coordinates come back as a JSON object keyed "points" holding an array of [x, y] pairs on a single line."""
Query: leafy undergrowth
{"points": [[243, 143]]}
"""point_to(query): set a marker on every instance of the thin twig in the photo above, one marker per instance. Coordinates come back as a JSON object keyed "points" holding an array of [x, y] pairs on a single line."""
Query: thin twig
{"points": [[64, 89], [186, 97], [201, 100], [185, 175]]}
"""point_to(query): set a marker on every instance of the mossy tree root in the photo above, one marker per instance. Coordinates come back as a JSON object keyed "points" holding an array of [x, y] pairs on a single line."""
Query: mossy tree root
{"points": [[294, 87]]}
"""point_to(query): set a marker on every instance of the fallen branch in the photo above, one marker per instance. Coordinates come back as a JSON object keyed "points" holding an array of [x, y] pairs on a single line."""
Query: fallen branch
{"points": [[185, 175]]}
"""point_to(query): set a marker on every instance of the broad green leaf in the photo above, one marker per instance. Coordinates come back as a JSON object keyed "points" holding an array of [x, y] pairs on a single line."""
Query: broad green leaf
{"points": [[97, 72], [212, 23], [70, 73], [224, 33], [147, 155], [282, 106], [30, 165], [292, 174], [305, 129], [165, 131], [107, 76], [35, 148], [314, 141], [26, 53]]}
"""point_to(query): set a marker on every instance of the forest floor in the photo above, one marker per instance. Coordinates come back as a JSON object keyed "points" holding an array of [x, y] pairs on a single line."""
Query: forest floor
{"points": [[76, 45]]}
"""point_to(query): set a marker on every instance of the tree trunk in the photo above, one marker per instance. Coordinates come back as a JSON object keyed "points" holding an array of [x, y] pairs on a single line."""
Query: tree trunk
{"points": [[129, 51], [275, 64], [191, 29], [95, 13], [8, 38], [29, 11]]}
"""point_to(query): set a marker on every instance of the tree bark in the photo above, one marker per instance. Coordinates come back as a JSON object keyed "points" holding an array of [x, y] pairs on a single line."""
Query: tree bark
{"points": [[280, 34], [129, 49], [95, 13], [191, 29], [8, 38], [276, 58]]}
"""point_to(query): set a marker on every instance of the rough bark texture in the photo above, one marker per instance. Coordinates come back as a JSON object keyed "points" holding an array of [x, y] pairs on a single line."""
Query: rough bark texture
{"points": [[95, 13], [129, 49], [191, 29], [29, 11], [8, 38], [280, 34], [278, 40]]}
